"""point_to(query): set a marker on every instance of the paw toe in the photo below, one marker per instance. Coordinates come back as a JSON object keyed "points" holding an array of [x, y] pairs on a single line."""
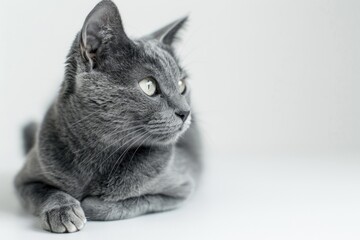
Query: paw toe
{"points": [[63, 219]]}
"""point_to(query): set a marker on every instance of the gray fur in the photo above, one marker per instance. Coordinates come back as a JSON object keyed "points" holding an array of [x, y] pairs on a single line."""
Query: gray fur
{"points": [[105, 150]]}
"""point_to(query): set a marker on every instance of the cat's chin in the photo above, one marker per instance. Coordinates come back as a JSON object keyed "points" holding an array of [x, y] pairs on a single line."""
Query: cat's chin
{"points": [[166, 141], [169, 138]]}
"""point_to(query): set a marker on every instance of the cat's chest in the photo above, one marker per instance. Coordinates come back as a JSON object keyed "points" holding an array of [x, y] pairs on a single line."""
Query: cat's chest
{"points": [[132, 177]]}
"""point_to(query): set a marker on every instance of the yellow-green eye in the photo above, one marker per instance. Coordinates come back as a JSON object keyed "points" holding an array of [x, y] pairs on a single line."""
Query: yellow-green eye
{"points": [[182, 86], [148, 85]]}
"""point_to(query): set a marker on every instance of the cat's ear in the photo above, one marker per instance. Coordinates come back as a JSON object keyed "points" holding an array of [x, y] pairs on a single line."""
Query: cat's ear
{"points": [[102, 26], [168, 34]]}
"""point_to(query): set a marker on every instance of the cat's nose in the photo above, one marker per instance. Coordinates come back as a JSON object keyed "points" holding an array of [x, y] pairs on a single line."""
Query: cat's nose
{"points": [[183, 115]]}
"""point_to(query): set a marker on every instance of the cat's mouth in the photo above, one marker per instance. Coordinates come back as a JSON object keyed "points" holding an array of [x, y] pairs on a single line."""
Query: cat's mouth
{"points": [[168, 133]]}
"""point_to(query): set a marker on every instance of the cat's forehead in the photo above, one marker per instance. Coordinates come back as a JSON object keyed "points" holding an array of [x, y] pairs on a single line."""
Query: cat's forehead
{"points": [[162, 59]]}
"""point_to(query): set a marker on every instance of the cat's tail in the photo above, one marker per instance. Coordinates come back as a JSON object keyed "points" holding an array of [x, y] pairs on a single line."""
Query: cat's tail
{"points": [[29, 135]]}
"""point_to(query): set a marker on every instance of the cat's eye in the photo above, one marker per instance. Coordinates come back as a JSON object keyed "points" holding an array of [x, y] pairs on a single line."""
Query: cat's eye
{"points": [[148, 85], [182, 86]]}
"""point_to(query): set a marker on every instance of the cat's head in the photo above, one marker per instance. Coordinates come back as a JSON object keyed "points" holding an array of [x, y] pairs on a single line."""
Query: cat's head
{"points": [[124, 90]]}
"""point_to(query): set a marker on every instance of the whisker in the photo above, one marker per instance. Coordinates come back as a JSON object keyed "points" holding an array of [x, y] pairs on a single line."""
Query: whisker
{"points": [[110, 145], [122, 145], [123, 154]]}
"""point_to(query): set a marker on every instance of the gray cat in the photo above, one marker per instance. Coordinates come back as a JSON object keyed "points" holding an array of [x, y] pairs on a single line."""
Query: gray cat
{"points": [[117, 141]]}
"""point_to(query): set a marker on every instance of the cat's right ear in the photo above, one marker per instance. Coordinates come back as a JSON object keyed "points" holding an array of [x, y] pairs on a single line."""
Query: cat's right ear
{"points": [[102, 26]]}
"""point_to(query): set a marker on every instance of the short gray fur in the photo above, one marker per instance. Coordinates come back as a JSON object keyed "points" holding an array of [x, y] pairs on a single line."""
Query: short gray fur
{"points": [[105, 150]]}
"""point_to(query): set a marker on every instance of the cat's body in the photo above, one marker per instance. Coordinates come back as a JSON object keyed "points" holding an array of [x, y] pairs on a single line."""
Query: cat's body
{"points": [[105, 150]]}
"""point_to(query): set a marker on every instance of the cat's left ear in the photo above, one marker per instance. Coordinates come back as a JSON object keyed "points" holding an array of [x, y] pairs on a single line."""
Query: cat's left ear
{"points": [[168, 34], [102, 26]]}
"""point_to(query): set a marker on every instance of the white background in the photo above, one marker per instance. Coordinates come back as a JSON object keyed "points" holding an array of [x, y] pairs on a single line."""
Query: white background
{"points": [[276, 88]]}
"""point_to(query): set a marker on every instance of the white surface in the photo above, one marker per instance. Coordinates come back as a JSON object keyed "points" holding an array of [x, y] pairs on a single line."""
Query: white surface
{"points": [[275, 78], [245, 197]]}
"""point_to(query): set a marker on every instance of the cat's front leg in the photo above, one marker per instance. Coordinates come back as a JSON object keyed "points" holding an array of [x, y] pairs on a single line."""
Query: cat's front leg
{"points": [[58, 211], [100, 210]]}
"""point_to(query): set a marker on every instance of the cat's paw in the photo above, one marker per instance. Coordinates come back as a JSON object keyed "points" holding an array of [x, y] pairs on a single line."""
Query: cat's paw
{"points": [[64, 219]]}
